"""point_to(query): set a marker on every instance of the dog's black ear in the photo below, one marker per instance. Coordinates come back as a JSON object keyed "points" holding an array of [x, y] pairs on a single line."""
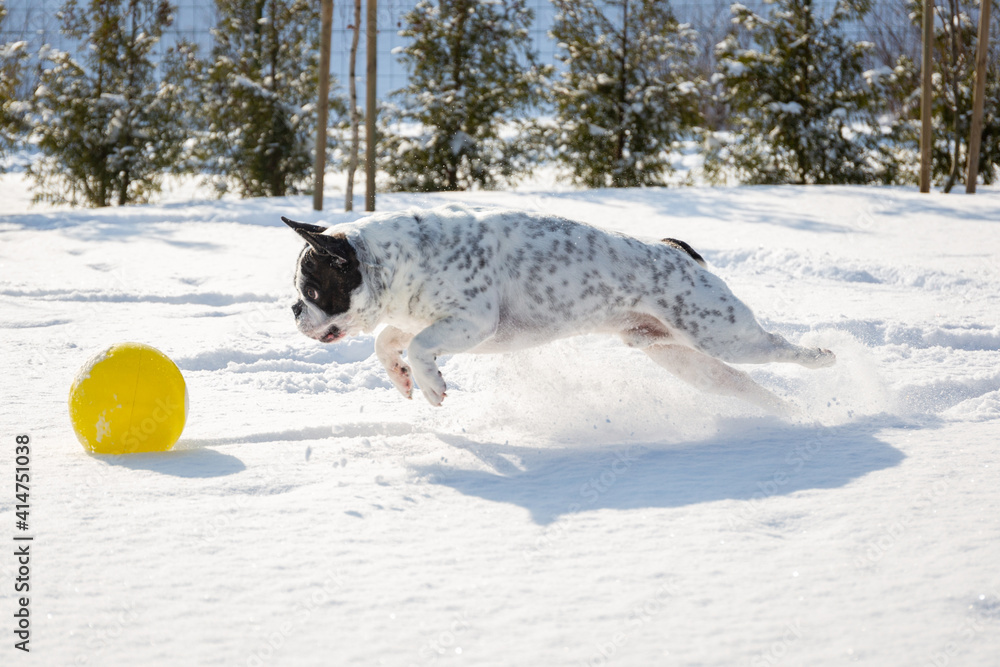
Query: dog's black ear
{"points": [[303, 228], [335, 247]]}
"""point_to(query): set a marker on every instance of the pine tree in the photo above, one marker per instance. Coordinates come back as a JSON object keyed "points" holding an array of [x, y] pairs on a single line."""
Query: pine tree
{"points": [[106, 127], [472, 71], [12, 57], [257, 96], [803, 111], [629, 91]]}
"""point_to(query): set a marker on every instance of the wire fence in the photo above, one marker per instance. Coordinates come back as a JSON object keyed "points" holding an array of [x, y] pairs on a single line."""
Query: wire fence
{"points": [[37, 22]]}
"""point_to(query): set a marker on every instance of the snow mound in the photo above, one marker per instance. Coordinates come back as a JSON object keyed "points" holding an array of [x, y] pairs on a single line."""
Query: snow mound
{"points": [[980, 408], [789, 263]]}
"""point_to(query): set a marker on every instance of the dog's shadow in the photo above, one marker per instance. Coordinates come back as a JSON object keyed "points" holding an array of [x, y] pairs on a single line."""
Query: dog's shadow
{"points": [[775, 461]]}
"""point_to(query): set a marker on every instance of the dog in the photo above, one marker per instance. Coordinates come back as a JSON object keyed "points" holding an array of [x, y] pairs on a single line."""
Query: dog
{"points": [[457, 279]]}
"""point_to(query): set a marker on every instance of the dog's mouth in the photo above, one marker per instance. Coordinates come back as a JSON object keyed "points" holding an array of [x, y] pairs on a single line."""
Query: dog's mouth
{"points": [[332, 335]]}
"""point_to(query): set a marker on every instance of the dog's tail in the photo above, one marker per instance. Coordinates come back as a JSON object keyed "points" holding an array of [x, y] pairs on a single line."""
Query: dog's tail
{"points": [[680, 245]]}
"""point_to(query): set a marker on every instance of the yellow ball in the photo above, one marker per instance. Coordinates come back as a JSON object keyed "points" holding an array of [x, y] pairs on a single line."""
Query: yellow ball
{"points": [[129, 398]]}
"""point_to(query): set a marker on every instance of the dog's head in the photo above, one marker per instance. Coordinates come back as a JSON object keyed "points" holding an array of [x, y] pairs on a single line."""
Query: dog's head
{"points": [[327, 275]]}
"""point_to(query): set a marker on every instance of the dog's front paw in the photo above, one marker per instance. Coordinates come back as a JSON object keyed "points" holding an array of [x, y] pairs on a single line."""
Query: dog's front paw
{"points": [[824, 358], [399, 374], [432, 384]]}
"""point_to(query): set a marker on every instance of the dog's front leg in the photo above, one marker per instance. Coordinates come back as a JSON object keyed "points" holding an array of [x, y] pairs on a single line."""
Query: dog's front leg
{"points": [[448, 336], [389, 346]]}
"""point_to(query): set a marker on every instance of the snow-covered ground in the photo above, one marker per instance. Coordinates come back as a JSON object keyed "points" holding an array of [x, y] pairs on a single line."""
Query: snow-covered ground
{"points": [[568, 505]]}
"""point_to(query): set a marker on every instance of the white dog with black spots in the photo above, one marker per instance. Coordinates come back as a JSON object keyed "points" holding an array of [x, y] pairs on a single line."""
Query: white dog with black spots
{"points": [[456, 279]]}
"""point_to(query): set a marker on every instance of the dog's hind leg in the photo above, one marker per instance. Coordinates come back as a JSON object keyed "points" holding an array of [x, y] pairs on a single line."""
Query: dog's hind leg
{"points": [[714, 376], [725, 328], [389, 346], [761, 347]]}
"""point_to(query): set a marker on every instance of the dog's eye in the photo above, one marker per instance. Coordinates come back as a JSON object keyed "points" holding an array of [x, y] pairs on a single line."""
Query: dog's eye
{"points": [[312, 293]]}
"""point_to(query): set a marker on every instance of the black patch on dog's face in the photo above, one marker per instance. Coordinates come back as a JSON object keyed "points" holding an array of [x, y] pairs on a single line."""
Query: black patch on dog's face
{"points": [[328, 270], [327, 277]]}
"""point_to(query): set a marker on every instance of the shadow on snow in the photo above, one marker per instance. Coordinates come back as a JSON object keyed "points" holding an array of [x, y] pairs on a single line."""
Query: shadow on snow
{"points": [[733, 466], [188, 463]]}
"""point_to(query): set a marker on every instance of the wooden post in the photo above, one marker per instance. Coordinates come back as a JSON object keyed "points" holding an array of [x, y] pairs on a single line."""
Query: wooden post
{"points": [[371, 36], [976, 132], [352, 162], [326, 31], [927, 64]]}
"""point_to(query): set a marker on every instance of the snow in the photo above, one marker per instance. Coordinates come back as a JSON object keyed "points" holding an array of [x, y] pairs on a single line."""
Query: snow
{"points": [[877, 74], [733, 68], [84, 373], [568, 505], [786, 107], [687, 87], [10, 49]]}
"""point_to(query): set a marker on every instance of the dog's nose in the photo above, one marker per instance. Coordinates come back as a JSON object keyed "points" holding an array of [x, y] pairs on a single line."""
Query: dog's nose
{"points": [[297, 308]]}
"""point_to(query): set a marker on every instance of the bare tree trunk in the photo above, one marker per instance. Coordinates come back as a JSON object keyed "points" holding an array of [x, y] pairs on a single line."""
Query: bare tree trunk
{"points": [[976, 132], [956, 106], [925, 97], [352, 164], [371, 110], [326, 30]]}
